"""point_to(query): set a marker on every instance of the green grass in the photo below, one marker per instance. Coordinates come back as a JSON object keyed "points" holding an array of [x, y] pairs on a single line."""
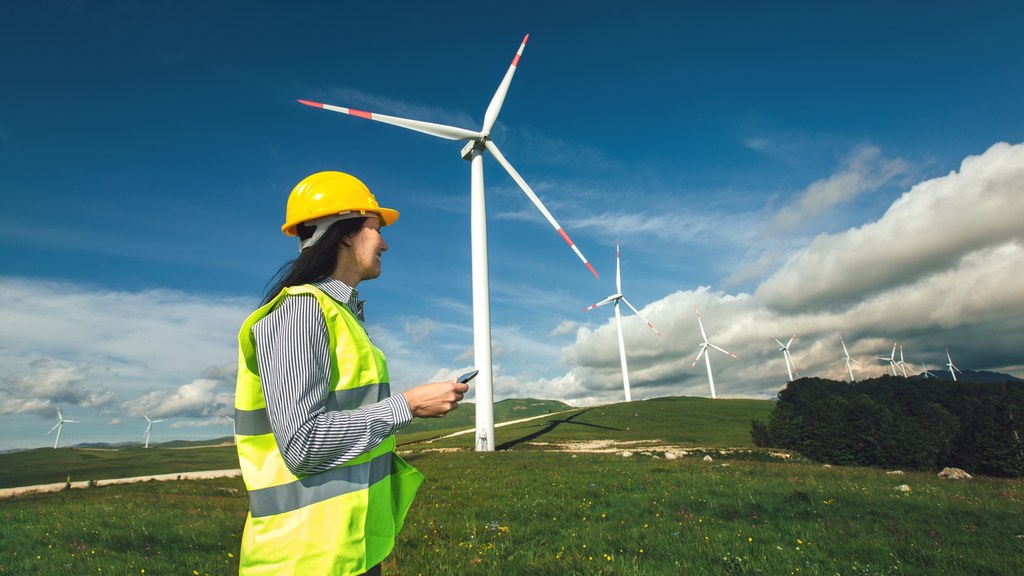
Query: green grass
{"points": [[527, 511], [465, 416], [48, 466]]}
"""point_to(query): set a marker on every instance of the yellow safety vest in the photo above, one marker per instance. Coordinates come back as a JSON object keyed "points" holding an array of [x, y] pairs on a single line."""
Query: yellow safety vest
{"points": [[339, 522]]}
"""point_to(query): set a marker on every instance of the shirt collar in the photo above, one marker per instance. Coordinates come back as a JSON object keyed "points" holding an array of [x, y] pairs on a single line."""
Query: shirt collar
{"points": [[342, 293]]}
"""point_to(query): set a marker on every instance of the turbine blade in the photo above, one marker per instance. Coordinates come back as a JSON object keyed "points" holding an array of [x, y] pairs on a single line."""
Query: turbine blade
{"points": [[722, 350], [701, 324], [618, 274], [491, 116], [55, 426], [780, 343], [699, 354], [649, 325], [788, 344], [439, 130], [536, 202], [607, 300]]}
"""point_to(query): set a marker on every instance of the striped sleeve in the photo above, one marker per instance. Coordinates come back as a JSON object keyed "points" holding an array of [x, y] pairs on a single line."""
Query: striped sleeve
{"points": [[294, 365]]}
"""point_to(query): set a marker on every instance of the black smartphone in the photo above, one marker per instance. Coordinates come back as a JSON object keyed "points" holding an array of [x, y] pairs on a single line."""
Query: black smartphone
{"points": [[468, 376]]}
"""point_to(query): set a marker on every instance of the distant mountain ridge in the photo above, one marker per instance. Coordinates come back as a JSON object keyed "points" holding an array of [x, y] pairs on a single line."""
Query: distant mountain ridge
{"points": [[970, 376]]}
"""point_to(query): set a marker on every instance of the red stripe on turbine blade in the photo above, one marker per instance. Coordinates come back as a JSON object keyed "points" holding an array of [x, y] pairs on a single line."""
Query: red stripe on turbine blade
{"points": [[573, 246], [525, 38], [313, 104], [361, 114], [515, 61]]}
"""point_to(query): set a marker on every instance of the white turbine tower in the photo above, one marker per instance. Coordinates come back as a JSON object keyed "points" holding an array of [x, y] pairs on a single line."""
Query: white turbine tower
{"points": [[616, 298], [952, 367], [785, 353], [891, 359], [149, 427], [707, 355], [478, 141], [59, 426], [849, 360]]}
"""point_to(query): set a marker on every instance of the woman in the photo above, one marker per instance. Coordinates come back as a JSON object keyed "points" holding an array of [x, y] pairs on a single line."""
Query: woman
{"points": [[315, 420]]}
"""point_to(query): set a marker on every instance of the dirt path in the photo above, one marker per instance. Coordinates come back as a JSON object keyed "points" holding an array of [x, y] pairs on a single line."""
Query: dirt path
{"points": [[201, 475]]}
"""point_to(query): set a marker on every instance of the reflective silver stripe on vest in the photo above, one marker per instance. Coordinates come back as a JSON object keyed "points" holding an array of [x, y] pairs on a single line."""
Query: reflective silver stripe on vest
{"points": [[318, 487], [257, 422]]}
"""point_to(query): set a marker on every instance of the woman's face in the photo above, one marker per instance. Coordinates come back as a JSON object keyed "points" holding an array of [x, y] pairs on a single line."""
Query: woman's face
{"points": [[366, 247]]}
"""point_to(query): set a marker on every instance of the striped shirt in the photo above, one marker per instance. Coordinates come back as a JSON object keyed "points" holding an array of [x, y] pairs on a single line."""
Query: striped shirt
{"points": [[294, 366]]}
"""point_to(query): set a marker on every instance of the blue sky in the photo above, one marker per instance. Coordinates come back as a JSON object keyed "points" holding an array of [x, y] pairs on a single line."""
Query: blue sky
{"points": [[809, 169]]}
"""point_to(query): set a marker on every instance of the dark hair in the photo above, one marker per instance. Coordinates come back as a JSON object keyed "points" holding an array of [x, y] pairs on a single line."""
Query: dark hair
{"points": [[315, 262]]}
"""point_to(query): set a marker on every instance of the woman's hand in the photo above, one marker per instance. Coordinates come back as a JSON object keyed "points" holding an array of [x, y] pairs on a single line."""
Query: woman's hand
{"points": [[435, 399]]}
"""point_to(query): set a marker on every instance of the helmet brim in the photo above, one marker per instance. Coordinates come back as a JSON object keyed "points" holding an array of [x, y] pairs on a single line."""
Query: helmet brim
{"points": [[387, 217]]}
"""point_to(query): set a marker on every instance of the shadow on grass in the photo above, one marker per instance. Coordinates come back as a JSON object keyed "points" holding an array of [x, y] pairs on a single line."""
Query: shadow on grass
{"points": [[552, 424]]}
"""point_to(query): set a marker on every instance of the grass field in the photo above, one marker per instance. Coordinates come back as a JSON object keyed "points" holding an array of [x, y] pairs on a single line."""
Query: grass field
{"points": [[528, 511]]}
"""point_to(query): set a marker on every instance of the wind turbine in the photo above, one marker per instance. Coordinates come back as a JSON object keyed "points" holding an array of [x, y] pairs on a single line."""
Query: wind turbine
{"points": [[891, 359], [706, 354], [926, 373], [903, 365], [849, 360], [58, 427], [150, 427], [618, 296], [785, 353], [478, 141], [952, 367]]}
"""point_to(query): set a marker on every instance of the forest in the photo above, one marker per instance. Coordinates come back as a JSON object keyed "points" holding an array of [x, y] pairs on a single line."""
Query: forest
{"points": [[911, 423]]}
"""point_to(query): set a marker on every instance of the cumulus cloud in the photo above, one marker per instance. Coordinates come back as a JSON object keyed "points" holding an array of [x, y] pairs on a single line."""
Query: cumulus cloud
{"points": [[864, 171], [930, 228], [941, 268], [200, 398], [48, 386], [564, 328], [66, 344]]}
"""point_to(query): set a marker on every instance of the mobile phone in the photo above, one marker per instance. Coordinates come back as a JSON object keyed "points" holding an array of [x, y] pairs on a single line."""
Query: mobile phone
{"points": [[468, 376]]}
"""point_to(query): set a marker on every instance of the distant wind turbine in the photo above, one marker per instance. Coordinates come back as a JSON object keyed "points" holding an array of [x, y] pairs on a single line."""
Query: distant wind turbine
{"points": [[903, 365], [150, 427], [952, 367], [616, 298], [59, 426], [785, 353], [926, 373], [849, 360], [706, 354], [891, 359], [477, 143]]}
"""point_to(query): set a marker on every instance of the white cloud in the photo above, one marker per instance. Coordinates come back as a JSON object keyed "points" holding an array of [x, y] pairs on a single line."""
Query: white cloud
{"points": [[564, 328], [48, 386], [940, 268], [866, 170], [929, 229], [75, 345], [201, 398]]}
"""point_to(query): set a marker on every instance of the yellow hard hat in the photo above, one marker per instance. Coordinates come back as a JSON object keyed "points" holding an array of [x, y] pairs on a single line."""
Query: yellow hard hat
{"points": [[331, 193]]}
